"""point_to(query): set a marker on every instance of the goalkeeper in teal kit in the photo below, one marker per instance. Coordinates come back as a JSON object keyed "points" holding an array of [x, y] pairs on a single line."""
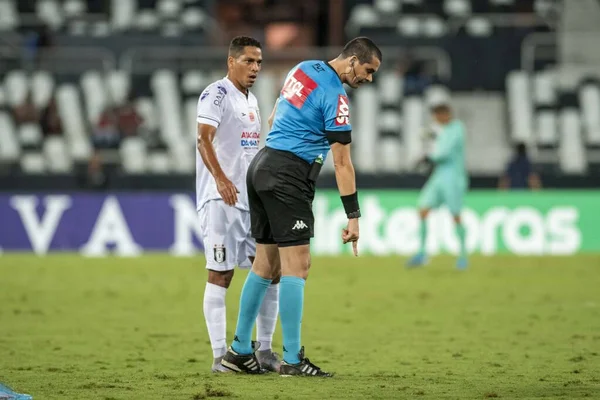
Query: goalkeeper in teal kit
{"points": [[448, 182]]}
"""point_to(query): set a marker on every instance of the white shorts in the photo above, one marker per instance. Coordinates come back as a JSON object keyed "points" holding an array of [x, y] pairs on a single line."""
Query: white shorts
{"points": [[226, 236]]}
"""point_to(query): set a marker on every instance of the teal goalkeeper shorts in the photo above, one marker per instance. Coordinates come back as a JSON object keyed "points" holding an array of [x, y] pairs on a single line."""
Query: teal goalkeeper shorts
{"points": [[438, 192]]}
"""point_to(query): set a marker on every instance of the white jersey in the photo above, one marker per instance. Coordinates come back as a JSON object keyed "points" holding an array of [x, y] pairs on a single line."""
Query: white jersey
{"points": [[236, 117]]}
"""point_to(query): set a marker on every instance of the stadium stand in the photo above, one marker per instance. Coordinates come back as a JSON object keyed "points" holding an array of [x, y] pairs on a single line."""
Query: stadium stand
{"points": [[140, 114]]}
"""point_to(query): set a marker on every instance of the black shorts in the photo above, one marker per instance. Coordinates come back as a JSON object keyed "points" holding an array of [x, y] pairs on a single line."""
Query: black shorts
{"points": [[280, 196]]}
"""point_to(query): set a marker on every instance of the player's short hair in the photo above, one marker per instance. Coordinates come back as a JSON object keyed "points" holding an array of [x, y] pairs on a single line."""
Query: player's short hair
{"points": [[363, 48], [236, 47], [441, 108]]}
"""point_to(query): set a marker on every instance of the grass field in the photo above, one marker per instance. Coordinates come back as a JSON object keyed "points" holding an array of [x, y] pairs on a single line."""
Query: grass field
{"points": [[510, 327]]}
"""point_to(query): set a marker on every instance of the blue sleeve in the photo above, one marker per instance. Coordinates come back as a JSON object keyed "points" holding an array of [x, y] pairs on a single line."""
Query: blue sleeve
{"points": [[336, 110]]}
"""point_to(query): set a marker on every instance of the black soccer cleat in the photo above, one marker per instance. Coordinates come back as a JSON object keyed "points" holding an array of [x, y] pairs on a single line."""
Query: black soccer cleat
{"points": [[303, 368], [247, 363]]}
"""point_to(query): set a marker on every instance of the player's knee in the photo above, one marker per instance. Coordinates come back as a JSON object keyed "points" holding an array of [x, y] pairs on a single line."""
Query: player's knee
{"points": [[457, 219], [220, 278], [276, 278], [423, 213]]}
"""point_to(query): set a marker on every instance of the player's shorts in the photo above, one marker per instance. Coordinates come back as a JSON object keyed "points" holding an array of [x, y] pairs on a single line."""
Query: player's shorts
{"points": [[438, 192], [280, 197], [226, 236]]}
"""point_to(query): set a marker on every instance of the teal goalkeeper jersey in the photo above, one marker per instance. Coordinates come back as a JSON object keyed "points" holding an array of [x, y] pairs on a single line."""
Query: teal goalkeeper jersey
{"points": [[449, 154]]}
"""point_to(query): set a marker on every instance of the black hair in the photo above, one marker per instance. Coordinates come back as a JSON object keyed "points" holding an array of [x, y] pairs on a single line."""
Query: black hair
{"points": [[236, 47], [363, 48], [521, 149]]}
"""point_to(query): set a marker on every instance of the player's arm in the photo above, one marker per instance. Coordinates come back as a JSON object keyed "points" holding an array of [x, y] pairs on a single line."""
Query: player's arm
{"points": [[226, 188], [445, 144], [209, 114], [272, 116]]}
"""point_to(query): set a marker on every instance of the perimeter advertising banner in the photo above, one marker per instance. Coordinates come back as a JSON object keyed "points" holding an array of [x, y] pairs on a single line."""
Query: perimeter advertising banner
{"points": [[127, 224]]}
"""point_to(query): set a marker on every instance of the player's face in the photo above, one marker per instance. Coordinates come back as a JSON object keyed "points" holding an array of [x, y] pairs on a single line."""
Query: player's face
{"points": [[362, 73], [245, 67], [441, 117]]}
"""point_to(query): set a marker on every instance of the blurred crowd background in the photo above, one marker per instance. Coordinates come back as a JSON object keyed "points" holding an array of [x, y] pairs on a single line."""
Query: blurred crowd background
{"points": [[102, 95]]}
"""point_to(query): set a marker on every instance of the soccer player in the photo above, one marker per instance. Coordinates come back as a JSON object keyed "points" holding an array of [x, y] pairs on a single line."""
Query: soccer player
{"points": [[228, 136], [448, 182], [311, 116]]}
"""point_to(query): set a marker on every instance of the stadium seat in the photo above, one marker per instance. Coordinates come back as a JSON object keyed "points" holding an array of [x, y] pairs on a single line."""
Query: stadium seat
{"points": [[363, 15], [409, 26], [479, 27], [193, 19], [9, 17], [391, 156], [433, 27], [589, 98], [118, 85], [457, 8], [391, 87], [72, 117], [388, 6], [413, 112], [33, 163], [193, 83], [183, 157], [191, 106], [41, 88], [159, 163], [519, 105], [133, 155], [546, 127], [15, 84], [77, 27], [571, 150], [100, 29], [123, 14], [368, 138], [168, 104], [168, 8], [10, 149], [74, 8], [145, 108], [146, 20], [51, 13], [544, 88], [94, 93], [30, 136], [58, 159]]}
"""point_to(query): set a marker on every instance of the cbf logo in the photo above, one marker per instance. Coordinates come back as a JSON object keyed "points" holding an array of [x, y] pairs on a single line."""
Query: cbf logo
{"points": [[343, 111], [219, 253]]}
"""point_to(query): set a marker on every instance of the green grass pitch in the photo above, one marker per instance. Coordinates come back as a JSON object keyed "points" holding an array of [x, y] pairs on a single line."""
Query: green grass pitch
{"points": [[509, 327]]}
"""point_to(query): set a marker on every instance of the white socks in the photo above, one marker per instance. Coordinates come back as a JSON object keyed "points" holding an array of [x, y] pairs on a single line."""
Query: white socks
{"points": [[267, 317], [216, 319]]}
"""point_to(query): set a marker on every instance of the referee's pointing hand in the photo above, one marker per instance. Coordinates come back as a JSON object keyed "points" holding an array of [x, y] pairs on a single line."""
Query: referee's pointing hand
{"points": [[350, 234], [227, 190]]}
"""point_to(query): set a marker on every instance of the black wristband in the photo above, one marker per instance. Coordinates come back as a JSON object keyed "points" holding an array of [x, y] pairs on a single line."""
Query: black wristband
{"points": [[351, 206]]}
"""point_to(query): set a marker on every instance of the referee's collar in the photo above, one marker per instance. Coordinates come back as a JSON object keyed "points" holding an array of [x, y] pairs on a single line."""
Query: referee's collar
{"points": [[333, 69]]}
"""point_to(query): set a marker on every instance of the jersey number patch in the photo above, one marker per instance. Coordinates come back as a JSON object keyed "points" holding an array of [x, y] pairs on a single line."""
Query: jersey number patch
{"points": [[297, 88], [343, 111]]}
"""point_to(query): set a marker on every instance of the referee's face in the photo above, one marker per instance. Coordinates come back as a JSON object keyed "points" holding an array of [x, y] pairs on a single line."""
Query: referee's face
{"points": [[244, 68], [363, 73]]}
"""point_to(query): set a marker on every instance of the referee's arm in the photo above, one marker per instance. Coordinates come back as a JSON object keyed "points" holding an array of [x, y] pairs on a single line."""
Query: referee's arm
{"points": [[344, 170]]}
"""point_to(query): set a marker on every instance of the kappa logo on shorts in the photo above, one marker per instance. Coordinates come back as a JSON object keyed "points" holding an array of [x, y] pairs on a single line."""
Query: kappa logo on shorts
{"points": [[299, 225], [219, 253], [343, 111]]}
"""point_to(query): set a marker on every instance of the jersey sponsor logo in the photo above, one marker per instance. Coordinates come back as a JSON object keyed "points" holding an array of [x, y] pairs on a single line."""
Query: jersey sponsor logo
{"points": [[219, 253], [343, 111], [318, 67], [204, 95], [297, 88], [250, 140], [252, 117]]}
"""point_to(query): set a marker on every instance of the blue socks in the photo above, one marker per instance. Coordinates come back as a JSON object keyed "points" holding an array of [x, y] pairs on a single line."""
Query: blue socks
{"points": [[291, 302], [251, 299]]}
